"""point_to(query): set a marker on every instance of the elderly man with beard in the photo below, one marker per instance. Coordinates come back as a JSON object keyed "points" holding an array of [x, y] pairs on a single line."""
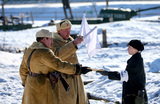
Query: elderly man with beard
{"points": [[65, 47]]}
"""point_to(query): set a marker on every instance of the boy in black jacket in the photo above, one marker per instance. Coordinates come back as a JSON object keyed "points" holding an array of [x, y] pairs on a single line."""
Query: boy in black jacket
{"points": [[133, 77]]}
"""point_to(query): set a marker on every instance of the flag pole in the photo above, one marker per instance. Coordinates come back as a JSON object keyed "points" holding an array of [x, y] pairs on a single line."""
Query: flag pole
{"points": [[89, 32]]}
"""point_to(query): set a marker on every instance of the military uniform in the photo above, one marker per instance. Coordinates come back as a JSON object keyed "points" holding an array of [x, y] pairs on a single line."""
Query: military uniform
{"points": [[66, 51], [43, 61]]}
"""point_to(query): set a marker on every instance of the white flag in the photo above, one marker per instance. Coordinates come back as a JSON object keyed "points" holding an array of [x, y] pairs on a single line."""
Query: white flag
{"points": [[90, 38], [84, 26]]}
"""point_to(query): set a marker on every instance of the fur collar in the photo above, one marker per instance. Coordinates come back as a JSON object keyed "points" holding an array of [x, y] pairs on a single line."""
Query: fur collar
{"points": [[38, 45], [58, 37]]}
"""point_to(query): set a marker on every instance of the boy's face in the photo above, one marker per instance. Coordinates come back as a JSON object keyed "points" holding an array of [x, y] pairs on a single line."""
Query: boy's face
{"points": [[132, 50]]}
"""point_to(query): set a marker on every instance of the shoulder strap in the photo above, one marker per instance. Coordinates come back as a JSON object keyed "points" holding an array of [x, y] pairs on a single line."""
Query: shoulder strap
{"points": [[28, 61]]}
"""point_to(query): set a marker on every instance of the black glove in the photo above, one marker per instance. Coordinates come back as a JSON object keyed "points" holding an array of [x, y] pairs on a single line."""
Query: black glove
{"points": [[85, 70], [81, 70], [103, 72], [23, 85]]}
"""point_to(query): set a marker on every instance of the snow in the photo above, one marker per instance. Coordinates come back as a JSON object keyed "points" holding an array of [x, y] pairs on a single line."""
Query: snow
{"points": [[111, 58]]}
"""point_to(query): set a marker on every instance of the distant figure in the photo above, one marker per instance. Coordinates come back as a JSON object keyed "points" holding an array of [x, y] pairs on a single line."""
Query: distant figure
{"points": [[51, 22], [134, 78], [65, 47]]}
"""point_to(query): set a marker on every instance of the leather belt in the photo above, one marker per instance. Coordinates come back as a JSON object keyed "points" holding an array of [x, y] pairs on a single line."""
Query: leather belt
{"points": [[35, 74]]}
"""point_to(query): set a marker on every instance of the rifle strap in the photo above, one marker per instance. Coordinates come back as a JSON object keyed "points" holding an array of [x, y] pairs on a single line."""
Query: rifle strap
{"points": [[28, 61]]}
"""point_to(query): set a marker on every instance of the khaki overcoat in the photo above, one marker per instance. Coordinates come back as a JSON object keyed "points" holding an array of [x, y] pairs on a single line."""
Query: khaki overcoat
{"points": [[66, 51], [42, 60]]}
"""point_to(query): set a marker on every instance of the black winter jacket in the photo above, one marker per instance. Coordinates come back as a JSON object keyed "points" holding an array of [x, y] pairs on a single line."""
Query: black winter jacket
{"points": [[136, 80]]}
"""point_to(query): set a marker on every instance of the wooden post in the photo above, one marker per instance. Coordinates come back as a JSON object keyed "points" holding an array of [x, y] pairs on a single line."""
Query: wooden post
{"points": [[66, 5], [21, 15], [94, 6], [107, 3], [27, 16], [3, 2], [32, 18], [139, 13], [104, 38], [66, 16], [3, 14], [70, 11], [12, 20], [55, 15]]}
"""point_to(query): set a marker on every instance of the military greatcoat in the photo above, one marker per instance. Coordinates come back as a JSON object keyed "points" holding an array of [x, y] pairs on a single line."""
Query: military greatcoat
{"points": [[66, 51], [42, 60]]}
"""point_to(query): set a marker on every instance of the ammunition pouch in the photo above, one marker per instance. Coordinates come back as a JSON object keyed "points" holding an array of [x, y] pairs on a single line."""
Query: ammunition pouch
{"points": [[53, 77], [40, 78]]}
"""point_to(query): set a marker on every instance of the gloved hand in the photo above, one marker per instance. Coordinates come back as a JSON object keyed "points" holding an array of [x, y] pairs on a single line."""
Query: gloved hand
{"points": [[23, 85], [85, 70], [103, 72], [81, 70]]}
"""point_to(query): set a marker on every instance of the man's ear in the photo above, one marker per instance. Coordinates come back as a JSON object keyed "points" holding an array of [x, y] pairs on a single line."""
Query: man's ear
{"points": [[43, 39]]}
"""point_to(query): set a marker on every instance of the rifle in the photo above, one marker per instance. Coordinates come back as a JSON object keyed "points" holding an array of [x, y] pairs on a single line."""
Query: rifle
{"points": [[65, 84]]}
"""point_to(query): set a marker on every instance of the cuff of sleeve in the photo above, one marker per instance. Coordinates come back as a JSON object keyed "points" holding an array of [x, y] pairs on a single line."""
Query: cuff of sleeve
{"points": [[78, 69], [114, 75], [124, 76]]}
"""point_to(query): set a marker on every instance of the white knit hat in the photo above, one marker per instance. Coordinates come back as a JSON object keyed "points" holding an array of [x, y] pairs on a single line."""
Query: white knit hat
{"points": [[63, 24], [44, 33]]}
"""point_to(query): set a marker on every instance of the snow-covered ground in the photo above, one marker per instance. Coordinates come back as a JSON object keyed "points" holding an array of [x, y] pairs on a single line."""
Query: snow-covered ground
{"points": [[112, 58]]}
